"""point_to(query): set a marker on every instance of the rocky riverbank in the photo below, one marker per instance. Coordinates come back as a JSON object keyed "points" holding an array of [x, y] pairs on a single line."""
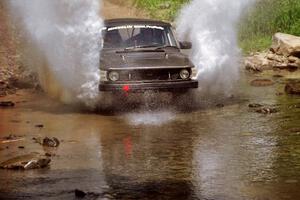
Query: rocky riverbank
{"points": [[283, 55]]}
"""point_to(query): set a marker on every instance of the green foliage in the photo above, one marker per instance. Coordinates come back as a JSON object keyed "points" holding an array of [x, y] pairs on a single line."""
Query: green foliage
{"points": [[161, 9], [266, 18], [257, 26], [254, 44]]}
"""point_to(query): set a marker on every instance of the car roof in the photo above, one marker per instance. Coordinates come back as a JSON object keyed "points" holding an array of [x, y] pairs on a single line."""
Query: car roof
{"points": [[134, 21]]}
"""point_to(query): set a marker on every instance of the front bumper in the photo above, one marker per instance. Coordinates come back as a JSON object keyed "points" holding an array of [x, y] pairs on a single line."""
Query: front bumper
{"points": [[142, 86]]}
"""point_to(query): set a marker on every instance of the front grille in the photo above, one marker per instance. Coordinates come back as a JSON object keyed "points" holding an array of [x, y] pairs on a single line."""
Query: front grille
{"points": [[149, 75]]}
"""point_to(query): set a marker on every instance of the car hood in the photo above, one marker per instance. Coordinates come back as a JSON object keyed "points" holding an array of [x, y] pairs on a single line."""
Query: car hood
{"points": [[143, 59]]}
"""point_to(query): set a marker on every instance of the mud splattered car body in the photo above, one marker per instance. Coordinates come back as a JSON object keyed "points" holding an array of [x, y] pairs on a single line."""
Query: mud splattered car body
{"points": [[141, 55]]}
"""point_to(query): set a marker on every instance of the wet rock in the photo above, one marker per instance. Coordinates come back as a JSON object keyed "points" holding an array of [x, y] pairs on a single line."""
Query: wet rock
{"points": [[293, 88], [220, 105], [293, 59], [261, 82], [108, 196], [278, 76], [289, 67], [6, 88], [257, 63], [294, 106], [254, 105], [284, 54], [38, 140], [259, 108], [49, 154], [50, 142], [11, 138], [47, 142], [293, 67], [294, 130], [280, 66], [285, 44], [86, 195], [39, 126], [267, 110], [80, 193], [26, 162], [7, 104], [276, 58]]}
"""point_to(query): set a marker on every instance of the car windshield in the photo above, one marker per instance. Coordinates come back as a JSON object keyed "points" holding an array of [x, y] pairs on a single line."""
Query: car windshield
{"points": [[138, 36]]}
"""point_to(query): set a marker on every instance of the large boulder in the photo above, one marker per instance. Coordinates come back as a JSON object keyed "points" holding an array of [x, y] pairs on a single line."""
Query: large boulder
{"points": [[285, 44]]}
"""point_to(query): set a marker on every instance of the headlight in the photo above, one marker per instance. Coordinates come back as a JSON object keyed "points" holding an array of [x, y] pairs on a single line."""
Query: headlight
{"points": [[103, 75], [184, 74], [113, 76]]}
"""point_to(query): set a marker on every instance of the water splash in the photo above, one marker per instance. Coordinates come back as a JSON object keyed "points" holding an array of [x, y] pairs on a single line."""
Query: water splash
{"points": [[211, 25], [150, 118], [66, 37]]}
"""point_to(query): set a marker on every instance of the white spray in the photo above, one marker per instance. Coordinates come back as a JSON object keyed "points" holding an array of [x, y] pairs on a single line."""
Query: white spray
{"points": [[211, 26], [67, 35]]}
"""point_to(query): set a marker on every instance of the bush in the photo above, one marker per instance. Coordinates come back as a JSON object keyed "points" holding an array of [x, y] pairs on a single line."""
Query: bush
{"points": [[161, 9], [265, 19]]}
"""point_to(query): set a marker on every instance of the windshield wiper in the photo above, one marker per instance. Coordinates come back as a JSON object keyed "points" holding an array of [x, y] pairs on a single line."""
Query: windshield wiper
{"points": [[141, 47], [167, 46]]}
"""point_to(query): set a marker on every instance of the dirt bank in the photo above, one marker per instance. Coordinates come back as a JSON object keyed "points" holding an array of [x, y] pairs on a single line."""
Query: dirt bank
{"points": [[118, 9], [8, 55]]}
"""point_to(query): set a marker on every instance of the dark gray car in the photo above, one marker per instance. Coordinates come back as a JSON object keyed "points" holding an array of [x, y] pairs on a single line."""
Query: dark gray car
{"points": [[141, 55]]}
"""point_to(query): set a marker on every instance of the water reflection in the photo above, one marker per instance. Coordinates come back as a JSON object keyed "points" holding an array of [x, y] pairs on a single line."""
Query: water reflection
{"points": [[212, 153]]}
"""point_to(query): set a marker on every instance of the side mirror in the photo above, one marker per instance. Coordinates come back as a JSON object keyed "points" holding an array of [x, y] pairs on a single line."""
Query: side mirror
{"points": [[185, 45]]}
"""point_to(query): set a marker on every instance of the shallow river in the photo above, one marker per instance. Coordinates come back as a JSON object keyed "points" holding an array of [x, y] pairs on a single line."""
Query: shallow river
{"points": [[211, 152]]}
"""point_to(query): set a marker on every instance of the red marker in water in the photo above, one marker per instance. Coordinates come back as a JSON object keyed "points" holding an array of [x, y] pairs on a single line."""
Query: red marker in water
{"points": [[128, 146], [126, 88]]}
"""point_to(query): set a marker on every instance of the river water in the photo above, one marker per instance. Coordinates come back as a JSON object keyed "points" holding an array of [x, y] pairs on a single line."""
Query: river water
{"points": [[216, 151]]}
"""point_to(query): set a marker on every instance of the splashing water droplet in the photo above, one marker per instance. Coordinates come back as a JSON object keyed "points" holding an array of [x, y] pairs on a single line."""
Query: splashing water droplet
{"points": [[66, 35], [211, 26]]}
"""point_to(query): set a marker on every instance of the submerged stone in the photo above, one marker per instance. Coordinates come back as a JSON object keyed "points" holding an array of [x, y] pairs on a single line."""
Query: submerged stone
{"points": [[11, 138], [80, 193], [7, 104], [254, 105], [51, 142], [39, 126], [48, 142], [293, 88], [261, 82], [25, 162], [267, 110]]}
